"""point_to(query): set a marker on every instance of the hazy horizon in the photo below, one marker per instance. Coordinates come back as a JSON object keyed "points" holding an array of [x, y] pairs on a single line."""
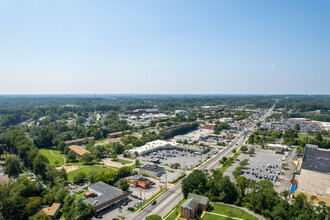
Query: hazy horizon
{"points": [[165, 47]]}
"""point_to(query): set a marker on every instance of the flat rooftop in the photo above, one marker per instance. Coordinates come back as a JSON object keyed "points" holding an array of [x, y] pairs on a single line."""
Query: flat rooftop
{"points": [[316, 159], [154, 168], [104, 193]]}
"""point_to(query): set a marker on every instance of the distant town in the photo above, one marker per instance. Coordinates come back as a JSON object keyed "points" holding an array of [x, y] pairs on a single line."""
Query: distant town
{"points": [[171, 157]]}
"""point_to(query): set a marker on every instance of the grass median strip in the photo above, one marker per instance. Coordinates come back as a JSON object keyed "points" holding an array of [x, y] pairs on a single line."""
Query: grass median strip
{"points": [[175, 211]]}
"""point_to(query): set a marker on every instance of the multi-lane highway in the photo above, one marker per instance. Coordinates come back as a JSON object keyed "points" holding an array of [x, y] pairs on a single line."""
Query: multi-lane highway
{"points": [[170, 198]]}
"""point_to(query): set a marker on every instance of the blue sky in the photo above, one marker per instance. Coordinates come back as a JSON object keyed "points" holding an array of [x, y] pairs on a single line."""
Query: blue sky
{"points": [[165, 47]]}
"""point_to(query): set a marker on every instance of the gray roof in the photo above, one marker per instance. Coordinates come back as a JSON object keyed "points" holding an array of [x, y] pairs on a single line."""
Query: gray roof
{"points": [[104, 193], [190, 203], [200, 199], [153, 168], [317, 160]]}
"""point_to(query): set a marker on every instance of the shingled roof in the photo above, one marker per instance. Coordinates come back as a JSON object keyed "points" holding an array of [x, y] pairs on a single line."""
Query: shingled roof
{"points": [[200, 199], [193, 200]]}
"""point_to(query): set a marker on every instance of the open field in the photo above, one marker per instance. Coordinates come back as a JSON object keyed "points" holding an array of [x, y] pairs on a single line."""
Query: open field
{"points": [[231, 211], [87, 170], [208, 216], [302, 136], [56, 156]]}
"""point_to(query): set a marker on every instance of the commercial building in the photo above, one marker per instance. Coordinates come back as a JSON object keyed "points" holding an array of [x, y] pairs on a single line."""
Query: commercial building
{"points": [[226, 120], [193, 205], [117, 134], [166, 145], [181, 112], [141, 111], [313, 176], [152, 170], [139, 181], [278, 148], [105, 196], [79, 150], [78, 141], [53, 210], [208, 126]]}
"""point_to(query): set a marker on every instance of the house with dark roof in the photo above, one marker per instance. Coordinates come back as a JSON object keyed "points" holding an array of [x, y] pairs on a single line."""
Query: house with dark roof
{"points": [[193, 205], [105, 196], [152, 170]]}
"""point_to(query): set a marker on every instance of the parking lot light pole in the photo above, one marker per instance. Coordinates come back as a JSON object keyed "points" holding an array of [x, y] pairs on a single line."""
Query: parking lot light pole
{"points": [[165, 180]]}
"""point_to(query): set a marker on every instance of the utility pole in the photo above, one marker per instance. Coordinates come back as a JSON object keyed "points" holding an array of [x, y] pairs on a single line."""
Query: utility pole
{"points": [[140, 194]]}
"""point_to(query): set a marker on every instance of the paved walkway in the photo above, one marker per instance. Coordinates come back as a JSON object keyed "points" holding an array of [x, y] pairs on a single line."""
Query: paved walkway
{"points": [[58, 156], [212, 213]]}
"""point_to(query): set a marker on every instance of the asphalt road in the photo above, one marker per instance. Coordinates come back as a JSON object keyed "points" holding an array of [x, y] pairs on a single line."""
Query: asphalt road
{"points": [[170, 198]]}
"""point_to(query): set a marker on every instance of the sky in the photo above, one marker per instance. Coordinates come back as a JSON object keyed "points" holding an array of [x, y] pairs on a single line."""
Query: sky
{"points": [[165, 47]]}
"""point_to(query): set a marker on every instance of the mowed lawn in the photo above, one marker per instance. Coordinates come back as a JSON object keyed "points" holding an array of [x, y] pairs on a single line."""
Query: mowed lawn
{"points": [[87, 170], [232, 211], [208, 216], [53, 157], [118, 160]]}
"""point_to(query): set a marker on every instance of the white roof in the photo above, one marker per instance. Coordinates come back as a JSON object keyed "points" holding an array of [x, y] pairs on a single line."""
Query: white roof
{"points": [[151, 145], [276, 145]]}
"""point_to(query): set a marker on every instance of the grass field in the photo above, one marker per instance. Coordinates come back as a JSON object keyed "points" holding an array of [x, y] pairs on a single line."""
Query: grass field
{"points": [[231, 211], [302, 136], [87, 170], [208, 216], [52, 158], [177, 210], [118, 160], [78, 196]]}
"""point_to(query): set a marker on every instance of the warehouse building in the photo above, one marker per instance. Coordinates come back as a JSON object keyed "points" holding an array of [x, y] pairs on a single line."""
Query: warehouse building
{"points": [[105, 196], [313, 177]]}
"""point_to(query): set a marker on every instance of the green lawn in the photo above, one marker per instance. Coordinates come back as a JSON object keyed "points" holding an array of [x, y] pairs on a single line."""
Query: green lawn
{"points": [[231, 211], [118, 160], [224, 168], [78, 196], [302, 136], [87, 170], [177, 210], [208, 216], [99, 141], [52, 158]]}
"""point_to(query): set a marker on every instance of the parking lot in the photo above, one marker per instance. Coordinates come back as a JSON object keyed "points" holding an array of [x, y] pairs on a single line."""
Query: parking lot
{"points": [[140, 193], [186, 159], [263, 164]]}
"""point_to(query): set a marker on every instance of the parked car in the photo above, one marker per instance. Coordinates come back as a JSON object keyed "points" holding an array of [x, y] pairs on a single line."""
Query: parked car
{"points": [[131, 208]]}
